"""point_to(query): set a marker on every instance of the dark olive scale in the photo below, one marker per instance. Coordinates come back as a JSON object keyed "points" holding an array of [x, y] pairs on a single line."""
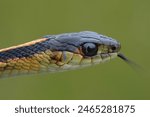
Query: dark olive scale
{"points": [[20, 52]]}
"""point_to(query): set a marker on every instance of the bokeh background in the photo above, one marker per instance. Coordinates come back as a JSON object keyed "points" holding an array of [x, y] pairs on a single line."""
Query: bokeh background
{"points": [[125, 20]]}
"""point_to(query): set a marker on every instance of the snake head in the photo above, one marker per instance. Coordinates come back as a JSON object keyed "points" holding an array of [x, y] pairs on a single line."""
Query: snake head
{"points": [[84, 48]]}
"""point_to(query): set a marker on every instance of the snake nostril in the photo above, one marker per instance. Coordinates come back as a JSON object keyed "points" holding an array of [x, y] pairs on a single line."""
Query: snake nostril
{"points": [[113, 48]]}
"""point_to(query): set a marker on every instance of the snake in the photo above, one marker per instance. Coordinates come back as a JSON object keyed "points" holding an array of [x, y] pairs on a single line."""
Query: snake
{"points": [[60, 52]]}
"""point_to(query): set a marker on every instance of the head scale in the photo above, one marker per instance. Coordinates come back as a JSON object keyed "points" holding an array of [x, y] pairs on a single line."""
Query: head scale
{"points": [[78, 42]]}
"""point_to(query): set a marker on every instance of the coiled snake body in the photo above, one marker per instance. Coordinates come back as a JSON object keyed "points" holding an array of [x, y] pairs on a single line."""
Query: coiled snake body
{"points": [[59, 52]]}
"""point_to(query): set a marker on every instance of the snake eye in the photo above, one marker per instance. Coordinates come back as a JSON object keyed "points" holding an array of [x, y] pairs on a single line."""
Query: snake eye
{"points": [[89, 49]]}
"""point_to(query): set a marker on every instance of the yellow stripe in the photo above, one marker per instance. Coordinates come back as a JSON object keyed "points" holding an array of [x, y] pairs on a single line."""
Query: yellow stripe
{"points": [[25, 44]]}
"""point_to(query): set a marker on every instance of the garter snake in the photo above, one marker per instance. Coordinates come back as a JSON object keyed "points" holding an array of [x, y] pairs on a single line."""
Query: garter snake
{"points": [[59, 52]]}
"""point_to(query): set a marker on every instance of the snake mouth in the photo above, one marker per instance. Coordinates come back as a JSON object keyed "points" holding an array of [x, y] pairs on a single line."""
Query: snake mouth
{"points": [[99, 58]]}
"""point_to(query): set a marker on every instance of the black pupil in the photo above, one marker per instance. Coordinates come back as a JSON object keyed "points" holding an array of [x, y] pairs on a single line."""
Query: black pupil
{"points": [[89, 49]]}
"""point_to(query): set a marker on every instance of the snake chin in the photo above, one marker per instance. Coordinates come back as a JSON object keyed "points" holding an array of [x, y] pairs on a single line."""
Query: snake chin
{"points": [[79, 61]]}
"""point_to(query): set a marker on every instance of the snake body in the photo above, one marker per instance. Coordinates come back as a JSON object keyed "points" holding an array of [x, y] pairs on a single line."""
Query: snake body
{"points": [[59, 52]]}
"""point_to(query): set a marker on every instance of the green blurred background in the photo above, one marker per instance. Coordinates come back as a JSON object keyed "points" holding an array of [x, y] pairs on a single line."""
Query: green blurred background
{"points": [[126, 20]]}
